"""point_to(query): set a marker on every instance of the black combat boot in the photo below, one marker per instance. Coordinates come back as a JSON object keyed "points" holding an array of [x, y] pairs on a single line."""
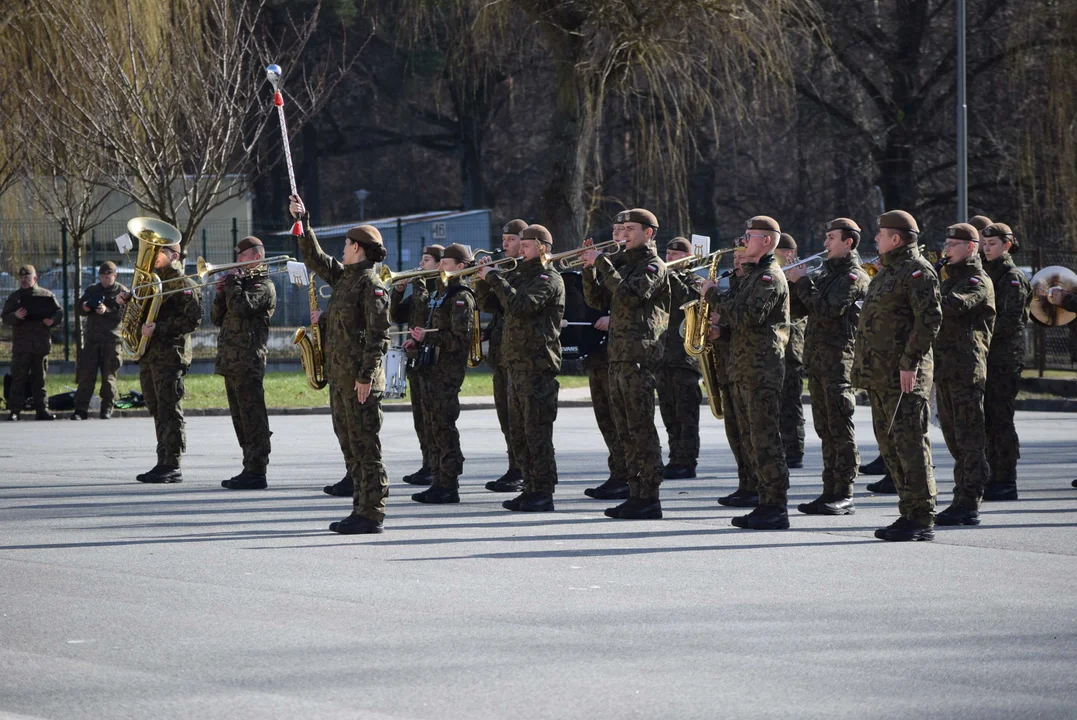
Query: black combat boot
{"points": [[530, 502], [875, 467], [43, 414], [905, 530], [612, 489], [637, 509], [794, 463], [245, 481], [437, 496], [162, 474], [511, 481], [826, 504], [1000, 491], [958, 515], [764, 517], [678, 472], [106, 413], [883, 487], [740, 498], [344, 488], [356, 525], [141, 477], [422, 476], [79, 415]]}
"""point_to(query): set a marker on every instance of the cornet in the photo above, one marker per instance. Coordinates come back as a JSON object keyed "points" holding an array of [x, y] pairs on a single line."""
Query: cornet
{"points": [[815, 261], [569, 259]]}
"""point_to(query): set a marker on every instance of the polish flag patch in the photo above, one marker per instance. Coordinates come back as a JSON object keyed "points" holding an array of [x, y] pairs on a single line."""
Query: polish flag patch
{"points": [[1015, 283], [767, 279], [852, 276], [974, 280], [918, 273], [460, 303], [378, 292], [544, 277], [652, 267], [188, 292]]}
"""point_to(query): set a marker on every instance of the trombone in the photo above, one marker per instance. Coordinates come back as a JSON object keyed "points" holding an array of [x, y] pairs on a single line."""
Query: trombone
{"points": [[447, 275], [568, 259], [694, 262], [205, 269], [389, 277]]}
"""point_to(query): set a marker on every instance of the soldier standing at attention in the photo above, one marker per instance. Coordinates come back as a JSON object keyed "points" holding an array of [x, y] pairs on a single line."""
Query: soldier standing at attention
{"points": [[1005, 359], [679, 394], [759, 312], [31, 311], [960, 350], [443, 361], [103, 304], [513, 479], [412, 310], [831, 302], [166, 360], [355, 342], [892, 361], [244, 303], [792, 421], [533, 303], [639, 313]]}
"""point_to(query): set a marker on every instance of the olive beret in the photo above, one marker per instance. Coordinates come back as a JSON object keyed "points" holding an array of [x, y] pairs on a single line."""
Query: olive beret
{"points": [[434, 251], [537, 232], [514, 227], [898, 220], [107, 267], [979, 222], [841, 224], [763, 222], [27, 271], [786, 242], [365, 235], [645, 218], [1000, 230], [457, 252], [679, 244], [963, 231], [247, 243]]}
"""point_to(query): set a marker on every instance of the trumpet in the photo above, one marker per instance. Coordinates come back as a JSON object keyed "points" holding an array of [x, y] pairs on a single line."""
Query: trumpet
{"points": [[694, 262], [205, 269], [816, 261], [447, 275], [568, 259], [389, 277]]}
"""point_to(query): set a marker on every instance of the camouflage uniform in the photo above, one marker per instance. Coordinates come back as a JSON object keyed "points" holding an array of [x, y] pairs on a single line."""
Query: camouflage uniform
{"points": [[412, 311], [533, 299], [101, 344], [639, 313], [679, 393], [1005, 361], [242, 311], [31, 341], [898, 322], [168, 355], [452, 313], [758, 309], [832, 308], [791, 424], [490, 302], [355, 341], [734, 420], [960, 350]]}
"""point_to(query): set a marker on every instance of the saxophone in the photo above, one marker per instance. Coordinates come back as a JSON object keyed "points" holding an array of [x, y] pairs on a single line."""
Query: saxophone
{"points": [[696, 325], [152, 235], [309, 341]]}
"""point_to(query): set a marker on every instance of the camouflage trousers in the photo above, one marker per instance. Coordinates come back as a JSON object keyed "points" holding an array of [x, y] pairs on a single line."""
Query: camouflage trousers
{"points": [[832, 405], [679, 397], [28, 373], [598, 378], [441, 409], [734, 421], [502, 405], [791, 425], [533, 410], [632, 406], [415, 395], [1003, 445], [247, 405], [759, 406], [357, 427], [162, 388], [95, 358], [907, 451], [961, 415]]}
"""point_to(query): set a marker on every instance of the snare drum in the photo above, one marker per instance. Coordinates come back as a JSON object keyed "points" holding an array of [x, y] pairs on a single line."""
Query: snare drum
{"points": [[396, 379]]}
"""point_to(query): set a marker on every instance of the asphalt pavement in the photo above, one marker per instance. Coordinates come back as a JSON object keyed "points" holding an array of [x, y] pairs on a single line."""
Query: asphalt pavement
{"points": [[121, 600]]}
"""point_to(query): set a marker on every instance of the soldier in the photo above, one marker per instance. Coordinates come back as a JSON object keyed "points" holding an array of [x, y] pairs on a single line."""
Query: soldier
{"points": [[412, 310], [679, 394], [166, 360], [355, 342], [968, 317], [1005, 359], [892, 361], [443, 361], [831, 302], [513, 479], [244, 304], [639, 313], [533, 303], [792, 420], [103, 305], [758, 310], [31, 311]]}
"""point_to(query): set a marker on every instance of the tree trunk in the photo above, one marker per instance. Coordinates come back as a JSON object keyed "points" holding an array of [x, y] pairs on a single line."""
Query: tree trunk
{"points": [[473, 186]]}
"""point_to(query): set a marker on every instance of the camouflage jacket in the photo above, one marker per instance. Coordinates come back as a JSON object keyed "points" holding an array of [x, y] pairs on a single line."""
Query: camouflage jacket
{"points": [[758, 310], [242, 311], [833, 308], [683, 288], [722, 346], [794, 350], [356, 327], [898, 323], [104, 328], [534, 301], [968, 317], [452, 312], [1013, 296], [180, 315], [410, 308], [638, 291], [490, 302], [31, 335]]}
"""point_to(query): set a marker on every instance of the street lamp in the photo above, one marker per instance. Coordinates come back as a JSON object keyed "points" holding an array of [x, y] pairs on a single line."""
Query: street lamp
{"points": [[361, 196]]}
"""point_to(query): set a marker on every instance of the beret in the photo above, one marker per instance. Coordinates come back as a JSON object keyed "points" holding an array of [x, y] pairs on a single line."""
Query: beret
{"points": [[898, 220], [537, 232]]}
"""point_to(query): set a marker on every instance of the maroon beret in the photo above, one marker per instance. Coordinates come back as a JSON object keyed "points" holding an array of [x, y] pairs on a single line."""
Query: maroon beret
{"points": [[247, 243]]}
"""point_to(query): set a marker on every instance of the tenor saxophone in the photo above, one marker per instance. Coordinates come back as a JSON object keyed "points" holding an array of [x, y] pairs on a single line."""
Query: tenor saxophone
{"points": [[309, 341]]}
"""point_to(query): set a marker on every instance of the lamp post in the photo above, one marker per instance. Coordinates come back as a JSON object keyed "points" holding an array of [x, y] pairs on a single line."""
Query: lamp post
{"points": [[361, 196]]}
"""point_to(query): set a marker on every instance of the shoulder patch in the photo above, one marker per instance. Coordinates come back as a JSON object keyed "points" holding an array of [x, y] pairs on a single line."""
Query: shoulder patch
{"points": [[652, 267], [918, 273], [767, 278], [974, 280], [1016, 283], [460, 303], [378, 292], [544, 277], [852, 276], [188, 292]]}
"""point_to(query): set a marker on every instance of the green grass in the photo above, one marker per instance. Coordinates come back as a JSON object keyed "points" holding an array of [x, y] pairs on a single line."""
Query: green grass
{"points": [[283, 390]]}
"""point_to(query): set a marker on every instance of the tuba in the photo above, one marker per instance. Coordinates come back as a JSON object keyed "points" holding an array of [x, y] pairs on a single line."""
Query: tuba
{"points": [[146, 291], [309, 341]]}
